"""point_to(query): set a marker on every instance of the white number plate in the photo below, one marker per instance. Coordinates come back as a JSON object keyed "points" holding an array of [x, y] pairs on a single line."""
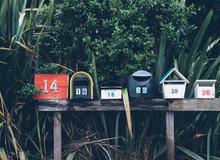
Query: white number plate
{"points": [[111, 94]]}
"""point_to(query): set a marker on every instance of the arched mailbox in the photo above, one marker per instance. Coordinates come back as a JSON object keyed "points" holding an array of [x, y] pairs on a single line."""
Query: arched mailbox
{"points": [[81, 86], [141, 84]]}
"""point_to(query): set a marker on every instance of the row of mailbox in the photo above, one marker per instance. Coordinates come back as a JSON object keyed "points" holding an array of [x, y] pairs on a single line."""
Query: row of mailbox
{"points": [[141, 84]]}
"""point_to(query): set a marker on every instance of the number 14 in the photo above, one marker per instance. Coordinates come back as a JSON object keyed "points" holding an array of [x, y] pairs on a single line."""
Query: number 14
{"points": [[53, 86]]}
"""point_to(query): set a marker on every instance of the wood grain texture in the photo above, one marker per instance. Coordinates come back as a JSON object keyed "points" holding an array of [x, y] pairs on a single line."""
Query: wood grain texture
{"points": [[136, 105], [194, 105], [170, 135], [57, 136], [102, 105]]}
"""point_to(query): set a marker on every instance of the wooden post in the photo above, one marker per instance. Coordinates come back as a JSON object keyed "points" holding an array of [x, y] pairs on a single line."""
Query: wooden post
{"points": [[57, 141], [170, 135]]}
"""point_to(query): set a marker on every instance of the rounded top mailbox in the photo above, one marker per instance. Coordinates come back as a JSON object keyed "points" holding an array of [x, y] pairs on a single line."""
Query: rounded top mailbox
{"points": [[81, 86], [142, 73], [141, 85]]}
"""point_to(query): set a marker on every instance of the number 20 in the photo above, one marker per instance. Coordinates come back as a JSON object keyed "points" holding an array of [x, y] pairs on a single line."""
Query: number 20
{"points": [[53, 86]]}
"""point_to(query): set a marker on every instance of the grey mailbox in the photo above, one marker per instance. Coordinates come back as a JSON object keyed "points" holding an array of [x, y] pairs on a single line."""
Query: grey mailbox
{"points": [[141, 85]]}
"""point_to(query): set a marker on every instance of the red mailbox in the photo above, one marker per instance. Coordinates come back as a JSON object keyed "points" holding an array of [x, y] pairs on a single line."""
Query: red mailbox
{"points": [[52, 86]]}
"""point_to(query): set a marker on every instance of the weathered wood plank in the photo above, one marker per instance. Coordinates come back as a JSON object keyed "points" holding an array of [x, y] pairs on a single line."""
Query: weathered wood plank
{"points": [[102, 105], [57, 136], [170, 135], [136, 105], [194, 105]]}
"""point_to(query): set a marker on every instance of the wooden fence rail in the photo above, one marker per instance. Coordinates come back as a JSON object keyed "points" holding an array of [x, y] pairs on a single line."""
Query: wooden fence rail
{"points": [[170, 107]]}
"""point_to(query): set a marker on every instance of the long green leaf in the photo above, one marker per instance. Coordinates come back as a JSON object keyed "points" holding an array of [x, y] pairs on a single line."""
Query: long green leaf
{"points": [[102, 114], [160, 152], [193, 53], [22, 155], [3, 155], [201, 33], [190, 153], [210, 70], [71, 156], [209, 143], [127, 109], [161, 57], [14, 141]]}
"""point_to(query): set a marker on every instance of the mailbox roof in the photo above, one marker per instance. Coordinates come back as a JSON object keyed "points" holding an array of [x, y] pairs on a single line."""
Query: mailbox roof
{"points": [[142, 73], [176, 72], [206, 81]]}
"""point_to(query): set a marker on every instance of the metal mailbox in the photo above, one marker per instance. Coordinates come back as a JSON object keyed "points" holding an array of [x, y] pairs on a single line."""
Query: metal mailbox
{"points": [[141, 85], [81, 86], [204, 88], [173, 88], [52, 86], [111, 90]]}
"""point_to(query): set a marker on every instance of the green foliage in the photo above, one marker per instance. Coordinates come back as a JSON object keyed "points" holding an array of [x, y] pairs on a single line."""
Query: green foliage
{"points": [[27, 91], [122, 35], [50, 68]]}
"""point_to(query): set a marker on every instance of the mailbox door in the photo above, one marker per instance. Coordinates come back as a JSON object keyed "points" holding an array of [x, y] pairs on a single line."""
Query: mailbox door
{"points": [[52, 86], [111, 94], [81, 92], [205, 92], [145, 89], [174, 91]]}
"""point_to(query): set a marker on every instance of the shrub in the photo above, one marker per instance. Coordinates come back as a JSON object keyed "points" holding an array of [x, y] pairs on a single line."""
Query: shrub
{"points": [[121, 34]]}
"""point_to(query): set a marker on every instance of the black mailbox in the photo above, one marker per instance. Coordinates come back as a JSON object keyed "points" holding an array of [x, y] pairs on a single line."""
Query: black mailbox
{"points": [[141, 85], [81, 86]]}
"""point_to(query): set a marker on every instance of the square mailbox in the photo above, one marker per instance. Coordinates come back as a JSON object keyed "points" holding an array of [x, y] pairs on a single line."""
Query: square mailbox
{"points": [[141, 85], [81, 86], [204, 89], [173, 88], [111, 91], [52, 86]]}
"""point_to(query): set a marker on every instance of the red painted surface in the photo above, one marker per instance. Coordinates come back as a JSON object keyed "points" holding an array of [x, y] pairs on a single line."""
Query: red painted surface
{"points": [[52, 86]]}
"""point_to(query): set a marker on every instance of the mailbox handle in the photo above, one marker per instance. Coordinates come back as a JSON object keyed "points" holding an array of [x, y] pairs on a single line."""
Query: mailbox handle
{"points": [[142, 78]]}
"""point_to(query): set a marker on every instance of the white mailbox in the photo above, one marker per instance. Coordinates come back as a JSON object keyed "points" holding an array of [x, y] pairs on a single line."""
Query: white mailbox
{"points": [[204, 88], [111, 92], [173, 88]]}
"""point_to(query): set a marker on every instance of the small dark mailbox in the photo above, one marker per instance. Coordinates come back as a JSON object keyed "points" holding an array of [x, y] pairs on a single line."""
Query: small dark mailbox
{"points": [[81, 86], [141, 85]]}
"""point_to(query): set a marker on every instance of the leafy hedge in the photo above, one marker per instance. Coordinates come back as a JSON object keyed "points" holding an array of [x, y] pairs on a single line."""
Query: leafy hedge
{"points": [[122, 34]]}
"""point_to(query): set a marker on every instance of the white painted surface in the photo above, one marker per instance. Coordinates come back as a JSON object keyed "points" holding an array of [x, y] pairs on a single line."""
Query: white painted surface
{"points": [[174, 91], [111, 94]]}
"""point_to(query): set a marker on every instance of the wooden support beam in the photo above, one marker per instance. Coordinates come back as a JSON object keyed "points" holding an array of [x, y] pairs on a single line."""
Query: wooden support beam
{"points": [[102, 105], [57, 136], [170, 136], [179, 105], [210, 105]]}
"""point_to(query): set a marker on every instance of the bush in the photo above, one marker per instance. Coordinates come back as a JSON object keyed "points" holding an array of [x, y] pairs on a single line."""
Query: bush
{"points": [[121, 34]]}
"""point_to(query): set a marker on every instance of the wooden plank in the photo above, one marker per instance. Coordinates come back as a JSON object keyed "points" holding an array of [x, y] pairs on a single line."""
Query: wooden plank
{"points": [[136, 105], [170, 135], [194, 105], [57, 136], [102, 105]]}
